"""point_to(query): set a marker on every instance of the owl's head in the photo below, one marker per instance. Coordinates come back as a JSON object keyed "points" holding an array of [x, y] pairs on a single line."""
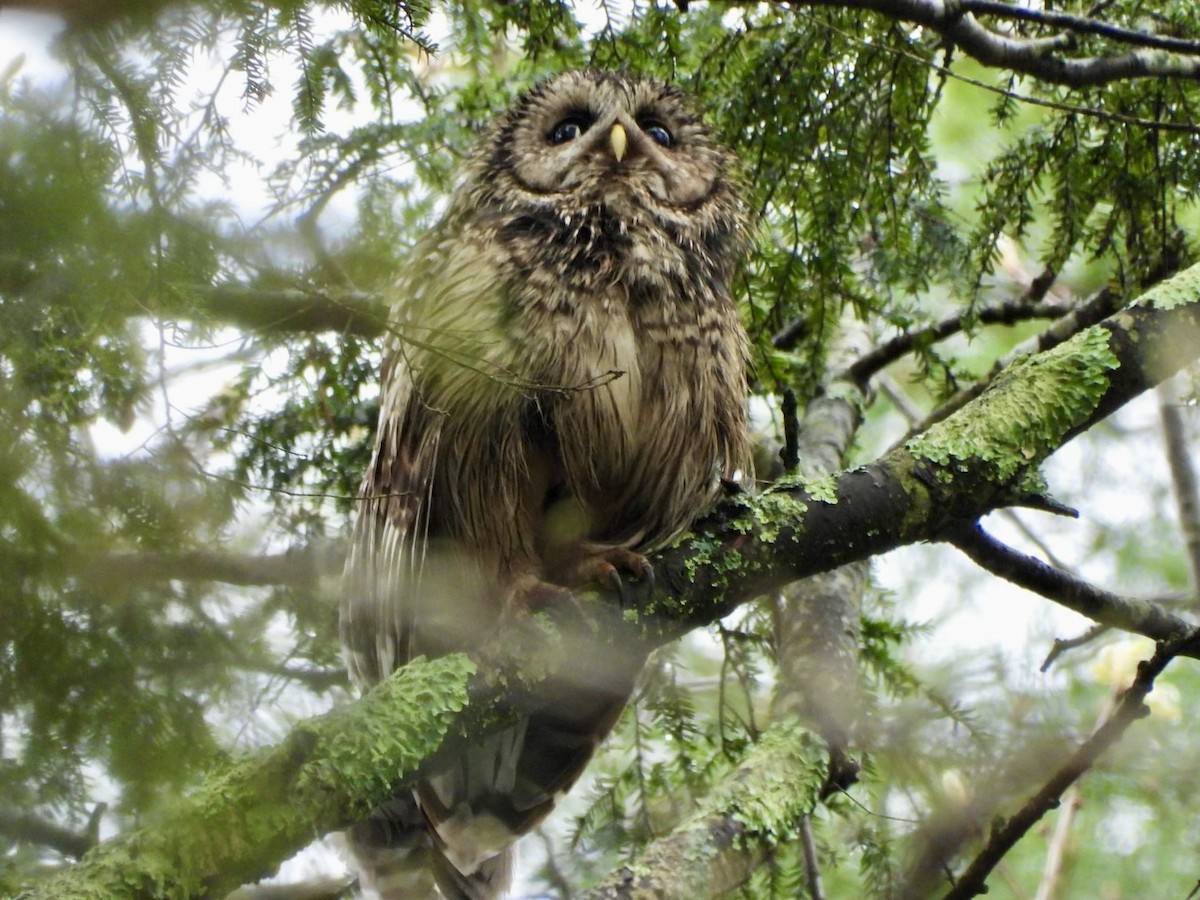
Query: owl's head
{"points": [[585, 139]]}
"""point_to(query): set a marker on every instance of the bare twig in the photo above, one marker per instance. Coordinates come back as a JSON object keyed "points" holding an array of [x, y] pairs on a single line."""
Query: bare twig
{"points": [[1057, 850], [789, 455], [1005, 313], [1062, 645], [1130, 614], [1183, 478], [1130, 707], [812, 866]]}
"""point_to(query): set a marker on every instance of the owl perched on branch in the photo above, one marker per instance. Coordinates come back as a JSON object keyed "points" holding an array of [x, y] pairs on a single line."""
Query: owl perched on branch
{"points": [[563, 391]]}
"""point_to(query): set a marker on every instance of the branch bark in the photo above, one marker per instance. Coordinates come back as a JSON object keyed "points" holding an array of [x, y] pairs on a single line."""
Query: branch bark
{"points": [[331, 770], [296, 567], [1043, 58]]}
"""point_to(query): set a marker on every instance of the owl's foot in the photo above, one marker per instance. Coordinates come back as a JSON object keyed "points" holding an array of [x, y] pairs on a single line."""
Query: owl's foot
{"points": [[605, 567], [530, 594]]}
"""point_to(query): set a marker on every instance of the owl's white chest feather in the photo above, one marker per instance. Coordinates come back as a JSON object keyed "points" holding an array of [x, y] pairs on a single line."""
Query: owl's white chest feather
{"points": [[600, 419], [616, 362]]}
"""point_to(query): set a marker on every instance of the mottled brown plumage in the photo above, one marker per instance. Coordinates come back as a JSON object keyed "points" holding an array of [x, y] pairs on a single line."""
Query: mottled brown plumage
{"points": [[564, 389]]}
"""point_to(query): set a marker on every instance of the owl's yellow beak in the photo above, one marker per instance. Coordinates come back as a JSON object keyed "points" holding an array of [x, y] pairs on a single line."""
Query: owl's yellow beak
{"points": [[619, 140]]}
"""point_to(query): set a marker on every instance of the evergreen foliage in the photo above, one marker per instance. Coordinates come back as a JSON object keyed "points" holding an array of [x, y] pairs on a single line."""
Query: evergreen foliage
{"points": [[191, 308]]}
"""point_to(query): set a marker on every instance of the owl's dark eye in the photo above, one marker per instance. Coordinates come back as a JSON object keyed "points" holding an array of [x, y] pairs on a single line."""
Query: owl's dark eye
{"points": [[657, 132], [569, 128]]}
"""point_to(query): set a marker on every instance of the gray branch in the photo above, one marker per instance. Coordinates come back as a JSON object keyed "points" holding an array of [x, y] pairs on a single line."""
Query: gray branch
{"points": [[1037, 57]]}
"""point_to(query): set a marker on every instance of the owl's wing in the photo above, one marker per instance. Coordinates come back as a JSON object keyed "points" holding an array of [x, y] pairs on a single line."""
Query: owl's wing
{"points": [[384, 565], [441, 378]]}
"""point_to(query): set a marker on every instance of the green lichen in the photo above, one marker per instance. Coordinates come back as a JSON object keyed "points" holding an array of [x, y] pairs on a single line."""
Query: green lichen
{"points": [[779, 781], [266, 805], [406, 719], [822, 488], [1026, 413], [705, 553], [1182, 289], [763, 515]]}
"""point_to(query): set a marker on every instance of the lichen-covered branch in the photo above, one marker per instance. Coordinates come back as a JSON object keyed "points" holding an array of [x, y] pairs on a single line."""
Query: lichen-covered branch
{"points": [[244, 821], [1086, 314], [972, 462], [717, 849], [330, 770]]}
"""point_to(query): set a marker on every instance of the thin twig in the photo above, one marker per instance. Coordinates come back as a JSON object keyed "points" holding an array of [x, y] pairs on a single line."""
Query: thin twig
{"points": [[812, 865], [790, 453], [1062, 645], [1183, 478], [1130, 707], [1005, 313], [1129, 614]]}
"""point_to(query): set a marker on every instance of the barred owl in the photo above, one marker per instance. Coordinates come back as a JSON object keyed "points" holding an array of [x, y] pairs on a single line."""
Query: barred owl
{"points": [[564, 390]]}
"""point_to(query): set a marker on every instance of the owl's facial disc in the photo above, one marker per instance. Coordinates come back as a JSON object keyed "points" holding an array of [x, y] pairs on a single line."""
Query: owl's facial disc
{"points": [[602, 140]]}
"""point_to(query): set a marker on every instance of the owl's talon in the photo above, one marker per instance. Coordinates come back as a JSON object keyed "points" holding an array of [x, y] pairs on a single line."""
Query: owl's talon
{"points": [[617, 584], [647, 576]]}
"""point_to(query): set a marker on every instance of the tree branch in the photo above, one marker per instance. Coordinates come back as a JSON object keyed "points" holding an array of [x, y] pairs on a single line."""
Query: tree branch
{"points": [[32, 829], [1183, 480], [291, 310], [1129, 708], [954, 21], [1006, 313], [714, 851], [331, 770], [1139, 616], [296, 567]]}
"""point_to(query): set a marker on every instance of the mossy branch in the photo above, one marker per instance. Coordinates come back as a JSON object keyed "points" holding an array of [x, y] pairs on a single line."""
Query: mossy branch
{"points": [[718, 848], [330, 770]]}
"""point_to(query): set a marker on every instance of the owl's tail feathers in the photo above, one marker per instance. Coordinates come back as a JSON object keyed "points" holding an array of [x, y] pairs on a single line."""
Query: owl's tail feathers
{"points": [[395, 852], [400, 858], [489, 881]]}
